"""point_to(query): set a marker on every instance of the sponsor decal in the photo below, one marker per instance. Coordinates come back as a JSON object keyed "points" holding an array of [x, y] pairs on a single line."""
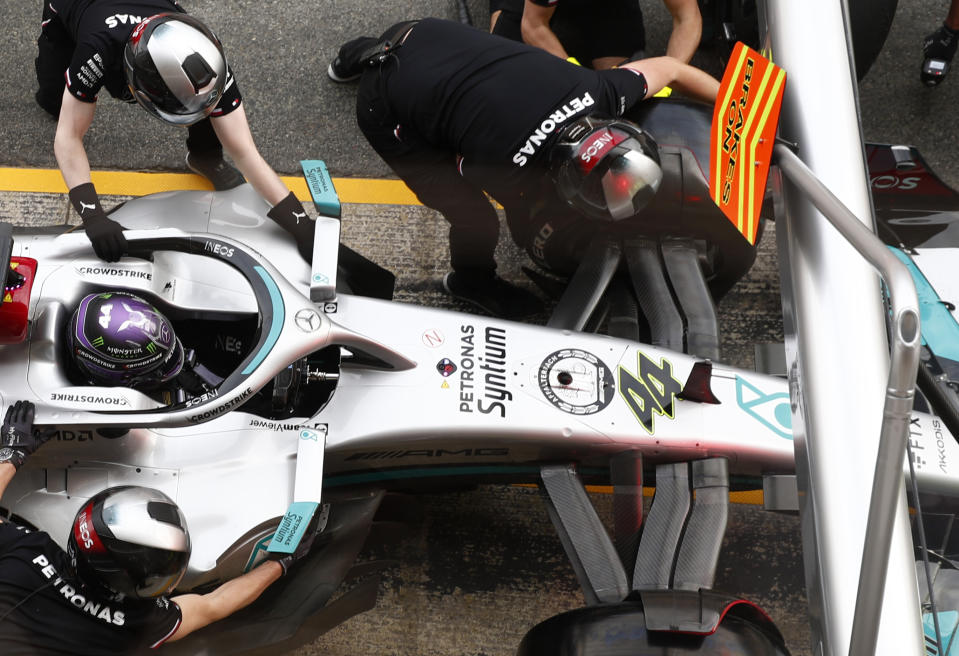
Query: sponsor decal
{"points": [[92, 607], [940, 446], [114, 272], [591, 152], [482, 378], [651, 391], [894, 182], [329, 308], [220, 409], [576, 381], [446, 367], [90, 399], [539, 242], [228, 344], [274, 425], [73, 436], [495, 451], [771, 410], [217, 248], [550, 124], [433, 338], [117, 20], [919, 460]]}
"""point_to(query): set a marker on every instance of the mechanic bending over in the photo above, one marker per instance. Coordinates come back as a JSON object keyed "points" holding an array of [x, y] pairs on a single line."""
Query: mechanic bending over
{"points": [[106, 594], [150, 51], [456, 111], [596, 34]]}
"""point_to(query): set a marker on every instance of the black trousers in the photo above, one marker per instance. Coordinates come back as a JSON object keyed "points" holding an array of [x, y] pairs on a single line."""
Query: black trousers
{"points": [[429, 170], [54, 52]]}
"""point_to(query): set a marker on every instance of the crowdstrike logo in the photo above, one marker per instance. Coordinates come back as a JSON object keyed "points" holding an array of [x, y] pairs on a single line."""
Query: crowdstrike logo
{"points": [[555, 120]]}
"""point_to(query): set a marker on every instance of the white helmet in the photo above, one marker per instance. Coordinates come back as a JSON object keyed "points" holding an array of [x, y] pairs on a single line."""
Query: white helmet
{"points": [[606, 168], [175, 68]]}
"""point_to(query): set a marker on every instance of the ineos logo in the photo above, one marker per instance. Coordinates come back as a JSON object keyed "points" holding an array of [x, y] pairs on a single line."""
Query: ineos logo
{"points": [[85, 532], [308, 320], [894, 182]]}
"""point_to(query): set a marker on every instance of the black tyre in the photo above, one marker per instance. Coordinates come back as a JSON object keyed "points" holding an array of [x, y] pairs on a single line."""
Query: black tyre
{"points": [[620, 630]]}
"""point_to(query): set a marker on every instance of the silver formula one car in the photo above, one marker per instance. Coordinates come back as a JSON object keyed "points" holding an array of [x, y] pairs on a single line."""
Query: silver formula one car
{"points": [[314, 396]]}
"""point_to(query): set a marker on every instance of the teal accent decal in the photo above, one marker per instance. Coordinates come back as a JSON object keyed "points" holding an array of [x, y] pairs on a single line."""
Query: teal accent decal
{"points": [[949, 626], [771, 410], [939, 329], [278, 316], [321, 188], [292, 527], [261, 545]]}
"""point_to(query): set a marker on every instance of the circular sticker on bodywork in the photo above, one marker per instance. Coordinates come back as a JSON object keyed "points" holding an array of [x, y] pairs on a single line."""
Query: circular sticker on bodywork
{"points": [[576, 381]]}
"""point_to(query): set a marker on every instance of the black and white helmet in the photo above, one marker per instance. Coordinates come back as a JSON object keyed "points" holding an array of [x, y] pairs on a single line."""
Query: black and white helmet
{"points": [[606, 168], [130, 540], [175, 68]]}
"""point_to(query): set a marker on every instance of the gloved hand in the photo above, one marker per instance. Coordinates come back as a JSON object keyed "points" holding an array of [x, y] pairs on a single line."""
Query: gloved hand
{"points": [[286, 561], [104, 233], [291, 216], [18, 433]]}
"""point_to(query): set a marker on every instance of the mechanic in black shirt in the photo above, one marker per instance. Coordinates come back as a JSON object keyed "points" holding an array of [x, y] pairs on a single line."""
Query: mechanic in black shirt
{"points": [[128, 548], [597, 34], [456, 111], [151, 52]]}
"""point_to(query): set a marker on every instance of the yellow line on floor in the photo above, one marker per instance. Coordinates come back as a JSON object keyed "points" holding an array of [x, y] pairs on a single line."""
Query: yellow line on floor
{"points": [[748, 497], [138, 183]]}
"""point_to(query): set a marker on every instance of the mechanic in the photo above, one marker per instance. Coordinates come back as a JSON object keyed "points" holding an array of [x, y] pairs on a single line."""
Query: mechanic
{"points": [[151, 52], [456, 111], [939, 48], [597, 34], [107, 594]]}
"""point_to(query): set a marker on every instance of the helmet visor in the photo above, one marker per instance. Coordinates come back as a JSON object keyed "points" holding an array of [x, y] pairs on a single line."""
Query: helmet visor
{"points": [[629, 183]]}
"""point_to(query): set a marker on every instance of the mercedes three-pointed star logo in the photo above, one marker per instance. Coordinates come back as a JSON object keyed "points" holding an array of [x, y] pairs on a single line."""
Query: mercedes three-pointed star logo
{"points": [[307, 320]]}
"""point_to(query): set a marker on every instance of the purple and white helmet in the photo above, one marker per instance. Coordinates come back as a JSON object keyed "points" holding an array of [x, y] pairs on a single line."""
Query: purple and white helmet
{"points": [[117, 338]]}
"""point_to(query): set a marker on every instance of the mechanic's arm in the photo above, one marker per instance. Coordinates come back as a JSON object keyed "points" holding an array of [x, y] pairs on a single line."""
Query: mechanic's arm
{"points": [[198, 611], [666, 71], [7, 471], [535, 29], [105, 234], [75, 119], [233, 131], [687, 29], [18, 435]]}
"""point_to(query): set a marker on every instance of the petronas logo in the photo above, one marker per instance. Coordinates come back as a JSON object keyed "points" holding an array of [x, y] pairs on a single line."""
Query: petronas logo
{"points": [[151, 347], [98, 341]]}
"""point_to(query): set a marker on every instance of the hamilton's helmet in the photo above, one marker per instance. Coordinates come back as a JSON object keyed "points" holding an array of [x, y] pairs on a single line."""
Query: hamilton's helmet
{"points": [[130, 540], [175, 68], [117, 338], [606, 168]]}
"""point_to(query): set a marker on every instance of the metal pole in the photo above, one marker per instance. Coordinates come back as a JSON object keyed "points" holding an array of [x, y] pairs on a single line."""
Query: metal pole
{"points": [[837, 348]]}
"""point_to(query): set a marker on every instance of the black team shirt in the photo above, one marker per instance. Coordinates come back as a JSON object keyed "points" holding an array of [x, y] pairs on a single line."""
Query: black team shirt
{"points": [[45, 610]]}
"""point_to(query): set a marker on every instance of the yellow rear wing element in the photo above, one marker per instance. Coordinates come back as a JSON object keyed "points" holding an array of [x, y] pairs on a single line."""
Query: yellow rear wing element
{"points": [[743, 130]]}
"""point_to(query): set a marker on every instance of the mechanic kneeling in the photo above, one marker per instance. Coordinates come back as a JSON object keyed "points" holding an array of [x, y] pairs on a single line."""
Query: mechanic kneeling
{"points": [[107, 594]]}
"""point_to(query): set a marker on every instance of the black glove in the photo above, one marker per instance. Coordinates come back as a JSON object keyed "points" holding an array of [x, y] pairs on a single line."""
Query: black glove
{"points": [[291, 216], [18, 433], [105, 234], [286, 561]]}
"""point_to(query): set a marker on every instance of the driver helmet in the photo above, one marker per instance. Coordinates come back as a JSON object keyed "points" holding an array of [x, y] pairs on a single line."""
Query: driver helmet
{"points": [[175, 68], [117, 338], [130, 540], [607, 169]]}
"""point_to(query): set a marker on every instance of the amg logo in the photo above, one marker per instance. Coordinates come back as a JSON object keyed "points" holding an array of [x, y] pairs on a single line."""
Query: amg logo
{"points": [[486, 452]]}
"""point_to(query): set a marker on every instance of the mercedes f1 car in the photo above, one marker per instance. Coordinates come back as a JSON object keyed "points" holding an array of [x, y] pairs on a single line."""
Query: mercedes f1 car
{"points": [[329, 395]]}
